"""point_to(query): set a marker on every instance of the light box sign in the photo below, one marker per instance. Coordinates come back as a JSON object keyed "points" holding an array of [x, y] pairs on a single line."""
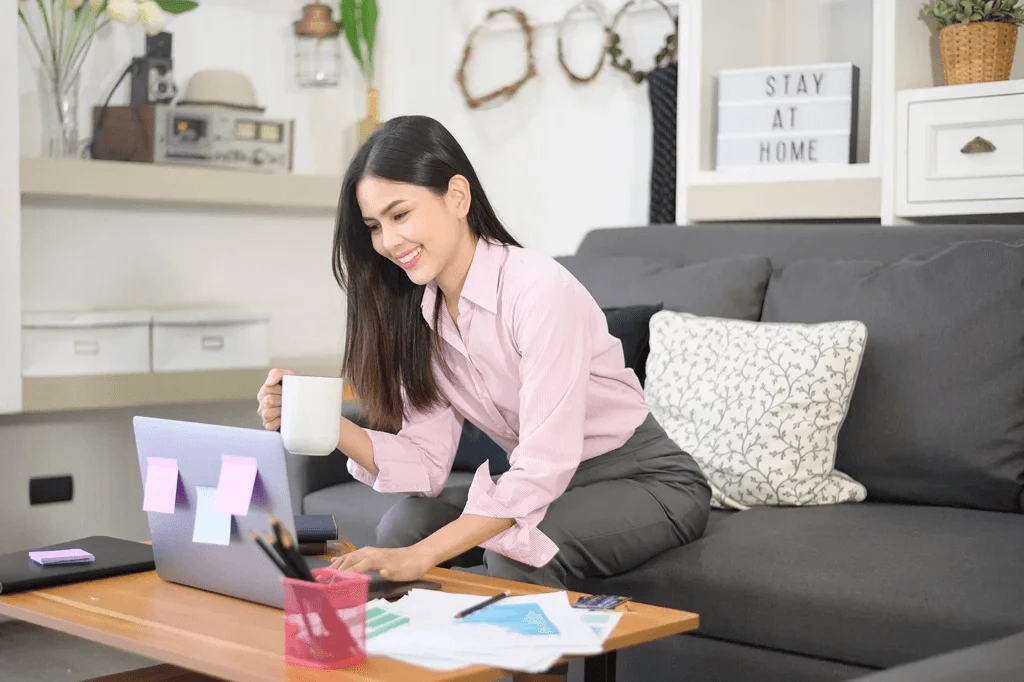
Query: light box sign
{"points": [[789, 115]]}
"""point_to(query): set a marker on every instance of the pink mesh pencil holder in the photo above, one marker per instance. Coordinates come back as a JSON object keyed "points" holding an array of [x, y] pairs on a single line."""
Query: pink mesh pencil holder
{"points": [[325, 621]]}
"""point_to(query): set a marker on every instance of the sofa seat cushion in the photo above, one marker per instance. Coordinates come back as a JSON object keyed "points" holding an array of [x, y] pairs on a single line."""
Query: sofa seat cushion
{"points": [[358, 508], [998, 661], [867, 584]]}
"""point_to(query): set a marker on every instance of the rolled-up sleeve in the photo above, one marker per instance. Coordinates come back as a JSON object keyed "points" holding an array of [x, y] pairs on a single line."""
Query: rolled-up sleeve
{"points": [[416, 460], [552, 332]]}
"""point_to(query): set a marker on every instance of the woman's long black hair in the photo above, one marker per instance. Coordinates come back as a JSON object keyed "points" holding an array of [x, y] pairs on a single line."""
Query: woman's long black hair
{"points": [[388, 344]]}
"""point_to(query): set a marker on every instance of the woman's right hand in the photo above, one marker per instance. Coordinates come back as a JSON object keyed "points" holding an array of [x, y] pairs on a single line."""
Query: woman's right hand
{"points": [[269, 397]]}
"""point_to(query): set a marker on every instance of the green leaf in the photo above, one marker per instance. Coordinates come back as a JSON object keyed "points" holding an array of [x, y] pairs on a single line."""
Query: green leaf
{"points": [[946, 12], [348, 19], [177, 6], [369, 21]]}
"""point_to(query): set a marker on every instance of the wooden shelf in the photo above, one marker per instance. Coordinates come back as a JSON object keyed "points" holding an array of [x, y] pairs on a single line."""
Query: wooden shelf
{"points": [[786, 200], [114, 181], [99, 392]]}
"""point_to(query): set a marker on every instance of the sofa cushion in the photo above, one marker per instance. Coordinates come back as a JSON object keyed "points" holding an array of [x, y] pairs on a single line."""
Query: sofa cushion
{"points": [[871, 584], [938, 413], [631, 326], [727, 287], [358, 508], [758, 405]]}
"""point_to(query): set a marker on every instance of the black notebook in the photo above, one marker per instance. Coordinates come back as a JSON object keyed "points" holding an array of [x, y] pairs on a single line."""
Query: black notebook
{"points": [[113, 557], [315, 528]]}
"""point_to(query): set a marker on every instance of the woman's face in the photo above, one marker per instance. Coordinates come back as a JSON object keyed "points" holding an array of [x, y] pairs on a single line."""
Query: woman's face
{"points": [[413, 227]]}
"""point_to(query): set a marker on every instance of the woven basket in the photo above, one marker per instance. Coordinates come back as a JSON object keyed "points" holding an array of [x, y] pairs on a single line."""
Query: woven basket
{"points": [[977, 52]]}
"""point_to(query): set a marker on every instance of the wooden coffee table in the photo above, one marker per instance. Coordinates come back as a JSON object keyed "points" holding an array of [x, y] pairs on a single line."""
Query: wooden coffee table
{"points": [[196, 633]]}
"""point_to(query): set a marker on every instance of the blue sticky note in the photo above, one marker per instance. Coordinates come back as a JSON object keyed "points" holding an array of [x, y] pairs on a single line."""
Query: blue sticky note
{"points": [[212, 527], [522, 619]]}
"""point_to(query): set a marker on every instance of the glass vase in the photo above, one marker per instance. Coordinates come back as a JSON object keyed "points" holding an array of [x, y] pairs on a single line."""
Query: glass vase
{"points": [[58, 98]]}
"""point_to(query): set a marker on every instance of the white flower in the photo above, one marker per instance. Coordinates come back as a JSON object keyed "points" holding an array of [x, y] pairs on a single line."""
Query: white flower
{"points": [[123, 11], [73, 4], [153, 18], [95, 4]]}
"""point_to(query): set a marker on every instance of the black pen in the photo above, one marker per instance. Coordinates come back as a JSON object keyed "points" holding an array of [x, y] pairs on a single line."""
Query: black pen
{"points": [[274, 556], [292, 558], [483, 604]]}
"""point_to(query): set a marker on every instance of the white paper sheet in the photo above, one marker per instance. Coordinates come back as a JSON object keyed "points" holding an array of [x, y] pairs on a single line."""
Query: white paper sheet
{"points": [[434, 639]]}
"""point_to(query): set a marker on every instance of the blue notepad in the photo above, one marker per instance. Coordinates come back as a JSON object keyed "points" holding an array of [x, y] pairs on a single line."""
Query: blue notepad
{"points": [[521, 619]]}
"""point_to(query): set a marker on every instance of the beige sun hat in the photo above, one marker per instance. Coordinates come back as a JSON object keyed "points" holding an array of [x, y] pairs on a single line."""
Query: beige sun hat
{"points": [[221, 87]]}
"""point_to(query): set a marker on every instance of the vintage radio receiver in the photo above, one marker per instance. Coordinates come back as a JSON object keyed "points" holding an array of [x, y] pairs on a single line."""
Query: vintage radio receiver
{"points": [[195, 135]]}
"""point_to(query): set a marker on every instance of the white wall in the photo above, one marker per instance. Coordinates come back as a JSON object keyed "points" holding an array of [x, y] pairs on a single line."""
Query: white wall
{"points": [[10, 210], [556, 160]]}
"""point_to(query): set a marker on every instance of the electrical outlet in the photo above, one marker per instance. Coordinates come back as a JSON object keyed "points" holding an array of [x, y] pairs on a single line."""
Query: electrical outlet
{"points": [[49, 489]]}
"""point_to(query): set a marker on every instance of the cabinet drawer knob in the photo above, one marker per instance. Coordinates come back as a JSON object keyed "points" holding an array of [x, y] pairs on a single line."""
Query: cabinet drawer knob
{"points": [[978, 145], [213, 343]]}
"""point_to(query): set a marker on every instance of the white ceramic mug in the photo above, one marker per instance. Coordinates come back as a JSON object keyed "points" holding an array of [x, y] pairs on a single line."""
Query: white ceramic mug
{"points": [[310, 414]]}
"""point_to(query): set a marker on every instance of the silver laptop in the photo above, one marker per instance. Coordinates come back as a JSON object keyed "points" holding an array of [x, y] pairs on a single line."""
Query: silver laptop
{"points": [[239, 568]]}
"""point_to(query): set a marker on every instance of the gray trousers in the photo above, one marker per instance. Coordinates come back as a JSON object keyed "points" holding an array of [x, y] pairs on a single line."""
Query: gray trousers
{"points": [[620, 510]]}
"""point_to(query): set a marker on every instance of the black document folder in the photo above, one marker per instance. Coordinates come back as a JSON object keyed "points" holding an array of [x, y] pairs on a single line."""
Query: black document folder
{"points": [[113, 557]]}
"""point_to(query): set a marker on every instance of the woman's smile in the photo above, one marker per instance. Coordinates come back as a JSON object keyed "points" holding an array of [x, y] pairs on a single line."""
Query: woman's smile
{"points": [[409, 259]]}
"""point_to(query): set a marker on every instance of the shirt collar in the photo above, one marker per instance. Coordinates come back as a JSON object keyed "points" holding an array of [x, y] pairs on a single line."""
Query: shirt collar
{"points": [[481, 286]]}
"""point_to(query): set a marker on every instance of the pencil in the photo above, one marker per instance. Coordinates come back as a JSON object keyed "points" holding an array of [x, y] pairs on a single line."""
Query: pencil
{"points": [[483, 604], [301, 567], [293, 559], [286, 570]]}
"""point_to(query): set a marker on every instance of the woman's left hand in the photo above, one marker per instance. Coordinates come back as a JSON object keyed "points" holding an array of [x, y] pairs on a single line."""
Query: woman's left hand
{"points": [[398, 565]]}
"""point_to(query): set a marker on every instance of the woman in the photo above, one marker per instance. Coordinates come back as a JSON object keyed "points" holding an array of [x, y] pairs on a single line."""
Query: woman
{"points": [[449, 318]]}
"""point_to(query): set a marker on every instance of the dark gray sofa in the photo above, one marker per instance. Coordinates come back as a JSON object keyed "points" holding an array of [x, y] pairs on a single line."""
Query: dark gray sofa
{"points": [[931, 562]]}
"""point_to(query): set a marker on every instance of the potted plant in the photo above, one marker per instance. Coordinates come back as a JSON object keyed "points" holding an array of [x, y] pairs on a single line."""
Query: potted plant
{"points": [[977, 38], [359, 20]]}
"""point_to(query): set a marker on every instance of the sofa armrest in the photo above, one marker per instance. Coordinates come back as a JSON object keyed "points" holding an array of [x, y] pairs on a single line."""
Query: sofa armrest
{"points": [[309, 474]]}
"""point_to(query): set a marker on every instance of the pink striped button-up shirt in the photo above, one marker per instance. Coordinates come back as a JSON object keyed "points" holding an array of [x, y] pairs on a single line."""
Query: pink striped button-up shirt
{"points": [[533, 367]]}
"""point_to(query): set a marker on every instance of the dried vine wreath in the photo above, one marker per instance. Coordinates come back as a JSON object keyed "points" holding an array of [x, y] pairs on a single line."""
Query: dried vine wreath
{"points": [[600, 11], [665, 55], [508, 91]]}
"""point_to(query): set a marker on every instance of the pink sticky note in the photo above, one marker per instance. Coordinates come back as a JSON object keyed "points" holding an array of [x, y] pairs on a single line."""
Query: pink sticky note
{"points": [[61, 556], [234, 489], [161, 485]]}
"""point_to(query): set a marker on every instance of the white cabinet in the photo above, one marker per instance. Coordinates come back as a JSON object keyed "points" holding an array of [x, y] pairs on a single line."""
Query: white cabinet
{"points": [[961, 150]]}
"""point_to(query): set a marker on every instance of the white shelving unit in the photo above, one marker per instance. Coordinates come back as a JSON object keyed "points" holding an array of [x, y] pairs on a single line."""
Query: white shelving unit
{"points": [[885, 39], [105, 181], [85, 189]]}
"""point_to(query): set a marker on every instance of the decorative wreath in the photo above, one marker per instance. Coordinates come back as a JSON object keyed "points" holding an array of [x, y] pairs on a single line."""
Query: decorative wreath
{"points": [[508, 91], [597, 8], [665, 55]]}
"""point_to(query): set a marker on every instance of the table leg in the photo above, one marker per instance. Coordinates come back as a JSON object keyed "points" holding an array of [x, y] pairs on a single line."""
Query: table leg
{"points": [[599, 668]]}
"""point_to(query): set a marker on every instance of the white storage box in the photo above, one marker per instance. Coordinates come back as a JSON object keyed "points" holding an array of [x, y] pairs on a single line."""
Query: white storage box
{"points": [[209, 339], [71, 344]]}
